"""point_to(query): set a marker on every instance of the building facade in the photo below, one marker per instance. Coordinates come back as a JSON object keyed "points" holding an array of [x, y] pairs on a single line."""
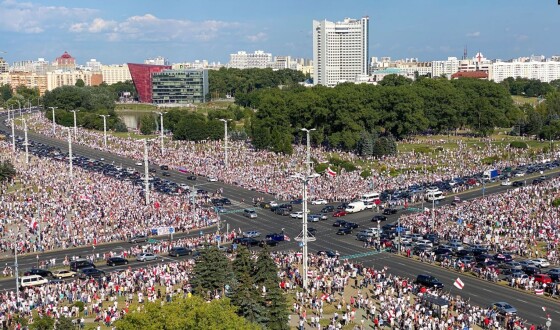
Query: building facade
{"points": [[65, 62], [141, 75], [59, 78], [113, 74], [180, 86], [340, 50], [29, 80], [243, 60], [545, 71]]}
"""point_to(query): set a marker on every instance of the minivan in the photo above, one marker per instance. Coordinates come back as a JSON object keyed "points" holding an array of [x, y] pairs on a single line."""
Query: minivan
{"points": [[80, 264], [32, 280]]}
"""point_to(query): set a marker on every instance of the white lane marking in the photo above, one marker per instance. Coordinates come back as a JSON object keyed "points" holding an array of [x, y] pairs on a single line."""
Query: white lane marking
{"points": [[523, 301]]}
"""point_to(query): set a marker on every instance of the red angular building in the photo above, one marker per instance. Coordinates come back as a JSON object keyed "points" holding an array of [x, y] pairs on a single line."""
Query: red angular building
{"points": [[142, 78]]}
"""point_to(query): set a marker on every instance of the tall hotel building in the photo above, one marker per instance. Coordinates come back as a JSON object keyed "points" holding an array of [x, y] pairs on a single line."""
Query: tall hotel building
{"points": [[340, 51]]}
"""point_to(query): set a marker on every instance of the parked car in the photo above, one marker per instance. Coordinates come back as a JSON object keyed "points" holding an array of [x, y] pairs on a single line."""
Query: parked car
{"points": [[328, 253], [344, 231], [390, 211], [251, 214], [541, 262], [504, 308], [543, 278], [38, 271], [78, 264], [313, 217], [327, 209], [146, 257], [340, 213], [63, 273], [251, 233], [297, 215], [191, 177], [319, 201], [138, 239], [275, 237], [379, 218], [518, 184], [90, 272], [339, 223], [296, 201], [179, 251], [114, 261], [351, 225], [554, 274], [268, 242]]}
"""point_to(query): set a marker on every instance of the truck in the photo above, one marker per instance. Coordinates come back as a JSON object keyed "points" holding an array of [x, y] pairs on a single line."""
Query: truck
{"points": [[490, 175], [355, 207]]}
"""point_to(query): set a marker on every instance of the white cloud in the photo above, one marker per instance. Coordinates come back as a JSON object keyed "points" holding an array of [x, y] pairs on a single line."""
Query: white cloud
{"points": [[26, 17], [261, 36], [473, 34], [151, 28]]}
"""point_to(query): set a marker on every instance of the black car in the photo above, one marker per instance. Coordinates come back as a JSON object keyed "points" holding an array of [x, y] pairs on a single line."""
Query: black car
{"points": [[296, 201], [191, 177], [249, 241], [344, 231], [339, 223], [518, 184], [138, 239], [226, 201], [531, 270], [152, 170], [351, 225], [429, 281], [282, 211], [268, 242], [179, 251], [38, 271], [165, 173], [90, 272], [328, 253], [390, 211], [312, 231], [114, 261], [164, 167], [327, 209], [342, 206], [379, 218]]}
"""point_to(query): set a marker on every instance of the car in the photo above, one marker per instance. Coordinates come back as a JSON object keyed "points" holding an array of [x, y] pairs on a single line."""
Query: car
{"points": [[379, 218], [146, 257], [503, 257], [249, 242], [339, 223], [212, 179], [344, 231], [319, 202], [518, 184], [268, 242], [78, 264], [273, 203], [85, 273], [429, 281], [342, 206], [503, 308], [138, 164], [390, 211], [327, 209], [531, 270], [251, 214], [63, 273], [252, 233], [114, 261], [297, 215], [282, 211], [328, 253], [296, 201], [165, 173], [506, 183], [339, 213], [519, 174], [38, 271], [138, 239], [543, 278], [527, 263], [191, 177], [179, 251], [514, 274], [225, 201], [312, 231], [323, 216], [152, 170], [554, 274], [313, 217], [275, 237], [541, 262], [352, 225], [164, 167], [512, 265]]}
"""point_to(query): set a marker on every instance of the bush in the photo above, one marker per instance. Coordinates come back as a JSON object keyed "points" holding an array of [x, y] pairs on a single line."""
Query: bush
{"points": [[80, 305], [320, 168], [556, 202], [489, 160], [519, 145], [365, 174]]}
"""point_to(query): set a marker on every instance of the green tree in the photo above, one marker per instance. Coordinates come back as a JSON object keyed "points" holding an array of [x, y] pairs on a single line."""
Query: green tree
{"points": [[189, 313], [245, 294], [212, 271], [7, 171], [147, 124], [42, 323], [365, 144], [80, 83], [65, 323], [6, 92], [395, 80]]}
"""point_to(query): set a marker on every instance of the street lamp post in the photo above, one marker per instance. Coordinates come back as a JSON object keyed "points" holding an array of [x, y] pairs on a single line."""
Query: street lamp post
{"points": [[225, 142], [379, 234], [75, 127], [53, 120], [146, 181], [16, 268], [25, 141], [105, 129], [161, 128], [308, 160], [70, 153], [19, 107], [13, 134]]}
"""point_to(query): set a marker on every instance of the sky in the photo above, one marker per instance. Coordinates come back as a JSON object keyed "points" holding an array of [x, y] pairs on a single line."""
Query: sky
{"points": [[121, 31]]}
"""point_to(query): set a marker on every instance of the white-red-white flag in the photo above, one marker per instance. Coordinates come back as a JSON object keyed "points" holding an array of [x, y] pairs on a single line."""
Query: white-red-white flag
{"points": [[459, 284], [331, 172], [539, 292]]}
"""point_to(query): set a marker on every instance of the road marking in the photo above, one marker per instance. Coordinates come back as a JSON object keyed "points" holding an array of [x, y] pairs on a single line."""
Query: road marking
{"points": [[523, 301]]}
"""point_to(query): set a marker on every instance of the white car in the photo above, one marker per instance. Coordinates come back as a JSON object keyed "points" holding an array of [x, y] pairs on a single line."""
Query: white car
{"points": [[146, 257], [541, 262], [138, 163], [432, 189], [518, 174], [297, 215], [63, 273], [252, 233], [319, 202], [212, 179], [273, 203], [506, 183]]}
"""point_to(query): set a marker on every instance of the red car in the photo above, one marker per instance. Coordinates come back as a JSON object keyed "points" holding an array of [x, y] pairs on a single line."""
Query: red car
{"points": [[386, 242], [543, 278], [340, 213]]}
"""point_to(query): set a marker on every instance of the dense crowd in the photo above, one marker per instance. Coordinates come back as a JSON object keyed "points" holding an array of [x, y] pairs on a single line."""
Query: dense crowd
{"points": [[271, 173], [88, 209]]}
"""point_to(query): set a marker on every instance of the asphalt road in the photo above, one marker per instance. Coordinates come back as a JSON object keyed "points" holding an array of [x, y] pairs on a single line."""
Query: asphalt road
{"points": [[480, 292]]}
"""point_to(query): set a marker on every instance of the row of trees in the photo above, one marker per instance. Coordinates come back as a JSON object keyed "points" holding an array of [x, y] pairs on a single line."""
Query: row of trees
{"points": [[530, 87], [254, 301], [233, 81], [397, 107]]}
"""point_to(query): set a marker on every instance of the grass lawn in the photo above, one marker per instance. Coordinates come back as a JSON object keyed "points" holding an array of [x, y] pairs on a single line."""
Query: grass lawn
{"points": [[518, 99], [133, 135]]}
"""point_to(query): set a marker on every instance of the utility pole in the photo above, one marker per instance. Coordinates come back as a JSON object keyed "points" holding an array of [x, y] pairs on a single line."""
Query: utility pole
{"points": [[70, 153], [16, 268], [105, 130], [13, 133], [161, 128], [75, 127], [53, 119], [225, 142], [305, 237], [146, 172], [25, 141]]}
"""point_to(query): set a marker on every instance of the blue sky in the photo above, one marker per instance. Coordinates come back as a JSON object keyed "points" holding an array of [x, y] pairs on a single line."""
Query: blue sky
{"points": [[123, 31]]}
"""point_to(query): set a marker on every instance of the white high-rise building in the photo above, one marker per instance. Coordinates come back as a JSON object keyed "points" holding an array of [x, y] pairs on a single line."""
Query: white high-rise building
{"points": [[340, 51], [545, 71], [113, 74], [244, 60]]}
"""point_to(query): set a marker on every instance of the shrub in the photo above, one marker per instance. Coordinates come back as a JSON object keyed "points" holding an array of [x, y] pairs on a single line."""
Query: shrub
{"points": [[80, 305], [320, 168], [556, 202], [519, 145], [365, 174], [489, 160]]}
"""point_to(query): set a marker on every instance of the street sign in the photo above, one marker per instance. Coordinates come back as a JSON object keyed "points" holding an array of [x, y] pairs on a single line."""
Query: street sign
{"points": [[217, 238], [300, 244], [400, 229], [413, 209]]}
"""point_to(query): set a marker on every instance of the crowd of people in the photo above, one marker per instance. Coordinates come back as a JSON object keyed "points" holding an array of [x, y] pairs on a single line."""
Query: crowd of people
{"points": [[87, 209], [271, 173], [522, 221]]}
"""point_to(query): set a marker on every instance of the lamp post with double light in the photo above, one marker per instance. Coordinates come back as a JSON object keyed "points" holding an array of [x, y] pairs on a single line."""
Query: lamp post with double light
{"points": [[161, 128], [225, 121], [105, 130], [53, 120], [75, 126]]}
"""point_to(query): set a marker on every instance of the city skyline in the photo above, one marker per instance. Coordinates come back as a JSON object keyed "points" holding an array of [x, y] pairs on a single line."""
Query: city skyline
{"points": [[131, 31]]}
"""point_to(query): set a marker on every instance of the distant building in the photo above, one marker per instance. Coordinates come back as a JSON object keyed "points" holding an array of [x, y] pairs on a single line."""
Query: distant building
{"points": [[4, 66], [340, 51], [29, 80], [65, 62], [59, 78], [180, 86], [545, 71], [113, 74], [470, 74], [93, 65], [160, 60], [141, 75], [445, 68], [243, 60]]}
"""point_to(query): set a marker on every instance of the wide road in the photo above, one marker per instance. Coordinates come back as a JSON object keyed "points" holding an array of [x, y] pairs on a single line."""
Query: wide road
{"points": [[480, 292]]}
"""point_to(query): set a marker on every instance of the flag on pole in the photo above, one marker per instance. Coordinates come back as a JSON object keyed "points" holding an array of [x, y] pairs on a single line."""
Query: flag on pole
{"points": [[286, 238], [459, 284], [331, 172]]}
